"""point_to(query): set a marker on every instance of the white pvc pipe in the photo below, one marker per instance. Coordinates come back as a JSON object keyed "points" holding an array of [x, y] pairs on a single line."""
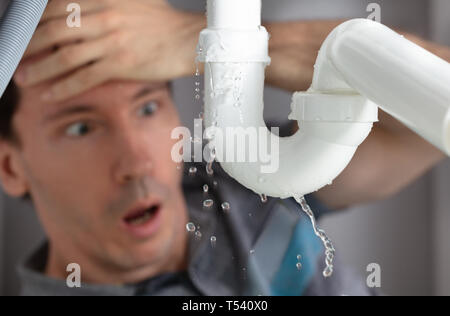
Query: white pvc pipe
{"points": [[234, 82], [223, 14], [361, 62], [405, 80]]}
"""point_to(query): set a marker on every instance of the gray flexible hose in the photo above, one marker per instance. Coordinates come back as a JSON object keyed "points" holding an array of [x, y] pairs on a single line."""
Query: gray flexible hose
{"points": [[16, 29]]}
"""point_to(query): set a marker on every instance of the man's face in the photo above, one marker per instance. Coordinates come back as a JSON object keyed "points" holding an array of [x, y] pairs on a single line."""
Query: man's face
{"points": [[100, 173]]}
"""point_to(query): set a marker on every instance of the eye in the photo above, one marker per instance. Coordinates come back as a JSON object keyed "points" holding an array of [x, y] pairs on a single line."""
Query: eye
{"points": [[148, 109], [78, 129]]}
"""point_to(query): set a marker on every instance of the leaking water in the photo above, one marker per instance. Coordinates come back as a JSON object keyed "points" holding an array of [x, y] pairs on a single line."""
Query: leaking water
{"points": [[299, 264], [197, 74], [226, 207], [208, 203], [209, 168], [190, 227], [213, 241], [329, 248], [192, 170], [263, 198]]}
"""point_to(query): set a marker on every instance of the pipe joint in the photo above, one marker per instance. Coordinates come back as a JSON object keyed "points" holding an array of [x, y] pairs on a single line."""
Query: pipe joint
{"points": [[338, 108]]}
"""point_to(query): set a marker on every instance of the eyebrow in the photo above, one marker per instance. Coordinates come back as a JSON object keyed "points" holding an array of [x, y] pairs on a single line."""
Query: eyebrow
{"points": [[147, 90], [82, 109], [78, 109]]}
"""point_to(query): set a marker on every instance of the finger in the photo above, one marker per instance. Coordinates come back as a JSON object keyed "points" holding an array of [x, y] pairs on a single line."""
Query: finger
{"points": [[81, 81], [56, 31], [62, 8], [65, 60]]}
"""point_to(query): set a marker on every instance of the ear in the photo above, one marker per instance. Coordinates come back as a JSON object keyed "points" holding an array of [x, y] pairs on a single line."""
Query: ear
{"points": [[12, 175]]}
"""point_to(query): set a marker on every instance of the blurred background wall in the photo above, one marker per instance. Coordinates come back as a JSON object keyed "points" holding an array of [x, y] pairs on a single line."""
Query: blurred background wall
{"points": [[407, 234]]}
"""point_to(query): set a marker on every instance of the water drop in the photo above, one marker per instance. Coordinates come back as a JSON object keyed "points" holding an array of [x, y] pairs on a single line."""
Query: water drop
{"points": [[190, 227], [210, 134], [263, 198], [213, 241], [252, 251], [329, 245], [322, 234], [299, 257], [209, 168], [329, 261], [244, 273], [299, 266], [328, 272], [208, 203], [226, 206], [192, 170], [205, 188], [198, 235]]}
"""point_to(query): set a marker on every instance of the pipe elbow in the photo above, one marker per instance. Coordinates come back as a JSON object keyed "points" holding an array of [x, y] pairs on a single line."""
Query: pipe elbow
{"points": [[365, 57], [327, 77], [331, 127]]}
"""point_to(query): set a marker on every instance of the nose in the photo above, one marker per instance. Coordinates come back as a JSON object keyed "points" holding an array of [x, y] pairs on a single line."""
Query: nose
{"points": [[134, 158]]}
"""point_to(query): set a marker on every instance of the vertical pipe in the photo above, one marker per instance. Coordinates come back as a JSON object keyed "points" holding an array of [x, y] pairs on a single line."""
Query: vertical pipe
{"points": [[234, 14]]}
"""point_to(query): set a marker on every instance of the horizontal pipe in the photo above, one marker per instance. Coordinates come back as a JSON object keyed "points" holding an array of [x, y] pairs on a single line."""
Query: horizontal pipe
{"points": [[405, 80]]}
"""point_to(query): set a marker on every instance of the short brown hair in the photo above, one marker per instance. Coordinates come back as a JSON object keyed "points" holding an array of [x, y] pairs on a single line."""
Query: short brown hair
{"points": [[9, 104]]}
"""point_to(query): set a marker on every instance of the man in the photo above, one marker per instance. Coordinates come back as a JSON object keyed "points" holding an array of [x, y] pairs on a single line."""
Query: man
{"points": [[97, 167], [98, 170]]}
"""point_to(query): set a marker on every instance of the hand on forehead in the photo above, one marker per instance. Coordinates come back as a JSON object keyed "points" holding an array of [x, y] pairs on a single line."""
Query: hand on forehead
{"points": [[125, 89], [118, 40]]}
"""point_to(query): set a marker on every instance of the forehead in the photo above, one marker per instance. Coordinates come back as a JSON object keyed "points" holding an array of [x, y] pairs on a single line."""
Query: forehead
{"points": [[108, 94]]}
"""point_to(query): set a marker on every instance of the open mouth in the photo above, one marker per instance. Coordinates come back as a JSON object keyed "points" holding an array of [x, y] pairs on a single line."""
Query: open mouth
{"points": [[142, 216]]}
